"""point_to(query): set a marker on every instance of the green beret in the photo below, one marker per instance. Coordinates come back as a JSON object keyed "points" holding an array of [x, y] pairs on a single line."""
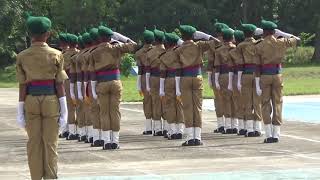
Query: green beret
{"points": [[239, 35], [73, 39], [248, 27], [105, 31], [158, 35], [94, 33], [187, 30], [63, 37], [171, 38], [219, 26], [80, 40], [86, 38], [38, 25], [148, 36], [268, 25], [227, 33]]}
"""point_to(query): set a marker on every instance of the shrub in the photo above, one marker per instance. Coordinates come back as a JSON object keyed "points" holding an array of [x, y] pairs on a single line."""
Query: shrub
{"points": [[127, 62], [299, 55]]}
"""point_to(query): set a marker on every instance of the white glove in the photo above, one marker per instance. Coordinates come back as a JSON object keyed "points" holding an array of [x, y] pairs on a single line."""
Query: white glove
{"points": [[284, 34], [210, 79], [239, 86], [258, 32], [230, 81], [79, 89], [63, 119], [258, 89], [148, 82], [161, 90], [178, 92], [20, 116], [180, 42], [73, 97], [85, 85], [93, 89], [216, 80], [139, 83], [119, 37], [201, 35]]}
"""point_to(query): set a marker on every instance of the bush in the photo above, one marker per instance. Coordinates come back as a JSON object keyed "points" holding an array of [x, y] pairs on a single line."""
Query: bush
{"points": [[127, 62], [299, 55]]}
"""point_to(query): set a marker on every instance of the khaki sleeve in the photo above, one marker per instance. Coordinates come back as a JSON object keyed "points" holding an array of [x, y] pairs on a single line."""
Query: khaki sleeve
{"points": [[288, 42], [217, 59], [72, 65], [211, 57], [136, 57], [162, 65], [237, 56], [21, 76], [61, 74], [258, 59], [204, 45], [125, 48], [91, 63]]}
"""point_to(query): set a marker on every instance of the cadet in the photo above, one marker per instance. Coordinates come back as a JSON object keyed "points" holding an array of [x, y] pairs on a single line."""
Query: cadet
{"points": [[190, 57], [40, 75], [106, 85], [270, 52], [169, 64], [224, 74], [64, 46], [143, 68], [152, 83], [237, 105], [72, 51], [211, 71]]}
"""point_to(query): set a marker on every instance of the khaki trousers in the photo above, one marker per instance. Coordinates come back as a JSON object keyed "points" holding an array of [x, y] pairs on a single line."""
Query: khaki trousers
{"points": [[171, 107], [155, 98], [109, 97], [147, 103], [71, 106], [272, 86], [226, 95], [237, 110], [42, 114], [94, 114], [81, 113], [251, 101], [191, 89]]}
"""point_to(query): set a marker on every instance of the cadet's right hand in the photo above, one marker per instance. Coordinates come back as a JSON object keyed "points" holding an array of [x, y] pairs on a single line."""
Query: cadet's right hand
{"points": [[20, 117], [217, 86], [259, 91], [80, 97], [148, 89], [239, 87], [87, 100], [141, 93], [179, 99]]}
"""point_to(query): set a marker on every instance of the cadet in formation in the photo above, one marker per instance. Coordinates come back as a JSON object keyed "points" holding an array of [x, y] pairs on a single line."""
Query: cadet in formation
{"points": [[42, 108]]}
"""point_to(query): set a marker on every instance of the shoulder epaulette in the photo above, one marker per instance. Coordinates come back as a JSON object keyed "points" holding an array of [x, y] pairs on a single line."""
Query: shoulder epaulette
{"points": [[218, 46], [149, 49], [175, 47], [161, 54], [114, 42], [93, 49], [86, 51], [73, 54], [259, 41]]}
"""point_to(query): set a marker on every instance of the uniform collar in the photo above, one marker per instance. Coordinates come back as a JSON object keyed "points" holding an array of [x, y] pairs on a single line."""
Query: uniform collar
{"points": [[228, 43], [39, 44], [249, 39], [270, 37]]}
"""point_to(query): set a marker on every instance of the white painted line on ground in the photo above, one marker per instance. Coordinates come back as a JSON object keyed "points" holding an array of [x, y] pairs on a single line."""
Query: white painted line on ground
{"points": [[300, 138]]}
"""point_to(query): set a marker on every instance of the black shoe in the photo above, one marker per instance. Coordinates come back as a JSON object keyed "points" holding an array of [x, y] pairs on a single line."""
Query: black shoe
{"points": [[189, 143], [159, 133], [198, 142], [242, 132], [147, 132], [77, 136], [64, 135], [257, 134], [234, 131], [72, 137], [82, 138], [91, 140], [275, 140], [250, 134], [165, 134], [229, 131], [219, 130], [101, 142], [268, 140], [87, 140], [172, 137], [115, 146], [107, 146], [96, 143], [179, 136]]}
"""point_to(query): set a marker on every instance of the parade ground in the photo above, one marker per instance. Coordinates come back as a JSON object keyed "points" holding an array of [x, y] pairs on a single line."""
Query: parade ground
{"points": [[297, 156]]}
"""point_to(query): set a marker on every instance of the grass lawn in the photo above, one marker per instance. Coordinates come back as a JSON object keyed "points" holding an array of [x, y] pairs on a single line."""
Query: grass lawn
{"points": [[297, 81]]}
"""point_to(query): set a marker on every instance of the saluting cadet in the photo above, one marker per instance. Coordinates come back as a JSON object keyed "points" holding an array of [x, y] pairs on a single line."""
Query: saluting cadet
{"points": [[236, 105], [190, 57], [224, 74], [73, 79], [218, 103], [144, 68], [64, 46], [270, 52], [72, 50], [42, 108], [169, 64], [153, 83], [106, 85]]}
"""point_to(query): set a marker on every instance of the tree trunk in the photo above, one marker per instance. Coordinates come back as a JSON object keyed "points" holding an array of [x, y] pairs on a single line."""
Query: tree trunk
{"points": [[316, 54]]}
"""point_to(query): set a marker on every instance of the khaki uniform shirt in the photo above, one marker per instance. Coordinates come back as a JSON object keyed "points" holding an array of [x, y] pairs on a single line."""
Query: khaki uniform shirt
{"points": [[40, 62], [272, 50], [211, 54], [169, 60], [153, 55], [248, 50], [222, 55], [141, 55], [236, 57]]}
